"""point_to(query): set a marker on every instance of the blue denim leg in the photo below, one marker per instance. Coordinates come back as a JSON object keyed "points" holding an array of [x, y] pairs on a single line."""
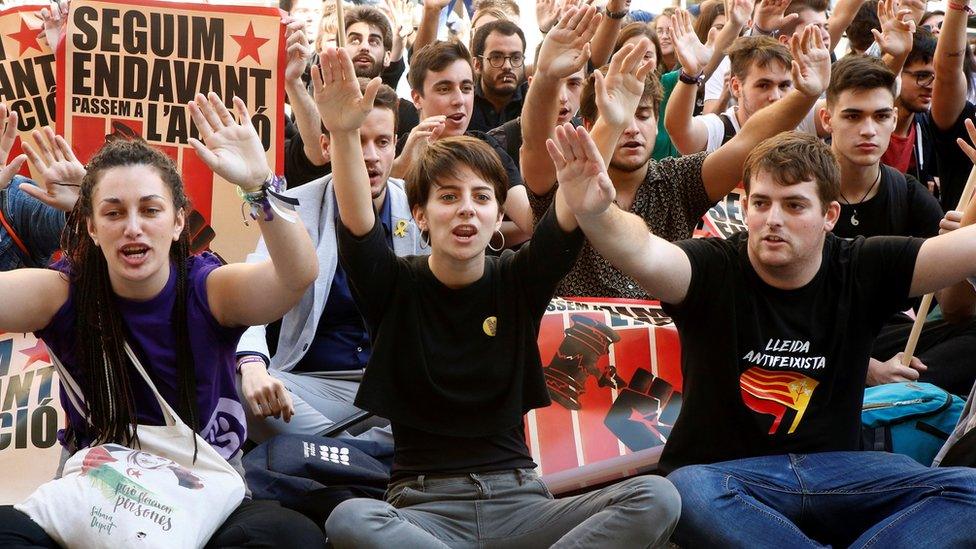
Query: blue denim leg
{"points": [[743, 503], [855, 499]]}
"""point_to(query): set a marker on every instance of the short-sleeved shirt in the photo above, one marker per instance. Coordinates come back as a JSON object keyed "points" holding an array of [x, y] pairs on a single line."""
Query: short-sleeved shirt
{"points": [[901, 207], [771, 371], [455, 362], [671, 200], [663, 147], [716, 127], [151, 333]]}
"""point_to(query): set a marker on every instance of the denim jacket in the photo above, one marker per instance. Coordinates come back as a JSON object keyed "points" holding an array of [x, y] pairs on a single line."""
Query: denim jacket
{"points": [[37, 224]]}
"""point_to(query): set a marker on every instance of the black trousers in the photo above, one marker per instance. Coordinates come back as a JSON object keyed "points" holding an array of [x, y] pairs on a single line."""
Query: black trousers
{"points": [[252, 524], [949, 350]]}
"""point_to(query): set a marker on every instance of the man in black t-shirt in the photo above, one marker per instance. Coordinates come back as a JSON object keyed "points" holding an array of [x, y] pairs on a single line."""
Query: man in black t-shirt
{"points": [[878, 200], [776, 328]]}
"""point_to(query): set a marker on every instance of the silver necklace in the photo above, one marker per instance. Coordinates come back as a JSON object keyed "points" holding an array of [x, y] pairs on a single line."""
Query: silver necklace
{"points": [[854, 221]]}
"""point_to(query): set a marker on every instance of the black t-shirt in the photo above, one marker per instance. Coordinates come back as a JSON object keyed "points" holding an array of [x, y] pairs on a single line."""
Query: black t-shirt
{"points": [[455, 363], [901, 207], [954, 165], [417, 450], [769, 371]]}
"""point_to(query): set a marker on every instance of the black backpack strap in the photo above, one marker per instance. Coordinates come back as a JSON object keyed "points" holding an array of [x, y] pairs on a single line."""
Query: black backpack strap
{"points": [[729, 128], [898, 199]]}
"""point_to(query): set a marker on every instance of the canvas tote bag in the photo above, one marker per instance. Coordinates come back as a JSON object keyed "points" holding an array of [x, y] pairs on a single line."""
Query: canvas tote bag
{"points": [[150, 496]]}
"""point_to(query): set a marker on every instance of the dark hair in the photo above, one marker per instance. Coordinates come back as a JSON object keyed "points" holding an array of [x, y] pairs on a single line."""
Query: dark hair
{"points": [[758, 50], [859, 72], [386, 98], [923, 47], [501, 26], [372, 17], [590, 112], [639, 29], [795, 157], [710, 11], [859, 31], [930, 14], [100, 333], [434, 57], [442, 159]]}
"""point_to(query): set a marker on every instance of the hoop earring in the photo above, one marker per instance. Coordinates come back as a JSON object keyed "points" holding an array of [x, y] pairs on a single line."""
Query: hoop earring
{"points": [[425, 239], [500, 248]]}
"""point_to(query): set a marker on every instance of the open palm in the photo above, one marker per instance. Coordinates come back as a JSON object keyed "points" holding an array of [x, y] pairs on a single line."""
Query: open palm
{"points": [[230, 148], [619, 92], [341, 104], [59, 173], [566, 48], [582, 176]]}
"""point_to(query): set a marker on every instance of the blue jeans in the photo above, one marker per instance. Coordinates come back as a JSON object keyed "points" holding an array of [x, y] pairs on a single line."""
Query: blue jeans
{"points": [[506, 509], [856, 499]]}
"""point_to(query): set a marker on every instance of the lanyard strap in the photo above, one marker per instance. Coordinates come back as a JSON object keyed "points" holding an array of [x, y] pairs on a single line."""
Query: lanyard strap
{"points": [[13, 235]]}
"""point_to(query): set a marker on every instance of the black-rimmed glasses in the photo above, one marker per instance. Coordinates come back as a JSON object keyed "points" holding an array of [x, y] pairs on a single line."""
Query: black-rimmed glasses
{"points": [[923, 78], [497, 60]]}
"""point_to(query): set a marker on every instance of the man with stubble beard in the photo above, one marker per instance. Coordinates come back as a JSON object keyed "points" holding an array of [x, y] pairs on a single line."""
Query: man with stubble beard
{"points": [[498, 52]]}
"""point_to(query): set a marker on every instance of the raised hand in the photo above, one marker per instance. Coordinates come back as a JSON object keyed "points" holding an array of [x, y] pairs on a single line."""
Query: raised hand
{"points": [[811, 62], [8, 134], [567, 46], [59, 171], [966, 147], [582, 176], [298, 50], [342, 106], [771, 16], [692, 54], [897, 29], [739, 11], [619, 92], [230, 148], [546, 14], [54, 19]]}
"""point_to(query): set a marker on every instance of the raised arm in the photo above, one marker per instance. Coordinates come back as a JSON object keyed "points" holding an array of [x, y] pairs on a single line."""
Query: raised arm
{"points": [[688, 133], [607, 32], [895, 37], [618, 94], [299, 51], [243, 294], [30, 297], [840, 18], [343, 108], [771, 16], [950, 257], [427, 30], [622, 238], [950, 87], [59, 171], [722, 169], [564, 51]]}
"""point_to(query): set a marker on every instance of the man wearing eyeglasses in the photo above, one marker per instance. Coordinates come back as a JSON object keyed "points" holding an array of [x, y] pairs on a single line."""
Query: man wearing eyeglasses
{"points": [[498, 49], [911, 149]]}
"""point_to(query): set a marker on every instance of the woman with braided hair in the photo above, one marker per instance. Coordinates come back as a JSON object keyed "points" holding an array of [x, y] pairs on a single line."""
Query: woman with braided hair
{"points": [[128, 278]]}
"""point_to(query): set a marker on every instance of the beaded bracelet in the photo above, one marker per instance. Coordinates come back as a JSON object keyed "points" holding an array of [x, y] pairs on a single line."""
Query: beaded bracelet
{"points": [[268, 199], [961, 7]]}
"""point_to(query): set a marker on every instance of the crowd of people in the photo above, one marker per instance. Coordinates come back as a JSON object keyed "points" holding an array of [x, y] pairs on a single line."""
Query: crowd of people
{"points": [[413, 242]]}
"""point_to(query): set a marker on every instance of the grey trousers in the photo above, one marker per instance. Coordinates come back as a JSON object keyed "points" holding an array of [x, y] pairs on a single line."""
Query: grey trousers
{"points": [[508, 509], [319, 403]]}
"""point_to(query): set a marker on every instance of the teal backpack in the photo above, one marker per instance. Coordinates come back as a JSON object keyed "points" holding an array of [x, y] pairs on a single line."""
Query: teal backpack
{"points": [[911, 418]]}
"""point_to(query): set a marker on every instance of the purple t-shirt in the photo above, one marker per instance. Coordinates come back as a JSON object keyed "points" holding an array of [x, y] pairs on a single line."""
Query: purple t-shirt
{"points": [[152, 336]]}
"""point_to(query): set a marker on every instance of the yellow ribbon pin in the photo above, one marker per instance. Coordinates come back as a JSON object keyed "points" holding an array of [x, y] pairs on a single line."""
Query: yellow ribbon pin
{"points": [[401, 229]]}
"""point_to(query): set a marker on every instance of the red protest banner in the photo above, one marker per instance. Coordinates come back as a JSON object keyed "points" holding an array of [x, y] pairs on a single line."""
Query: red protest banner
{"points": [[30, 416], [613, 369], [726, 218], [129, 69], [27, 75]]}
